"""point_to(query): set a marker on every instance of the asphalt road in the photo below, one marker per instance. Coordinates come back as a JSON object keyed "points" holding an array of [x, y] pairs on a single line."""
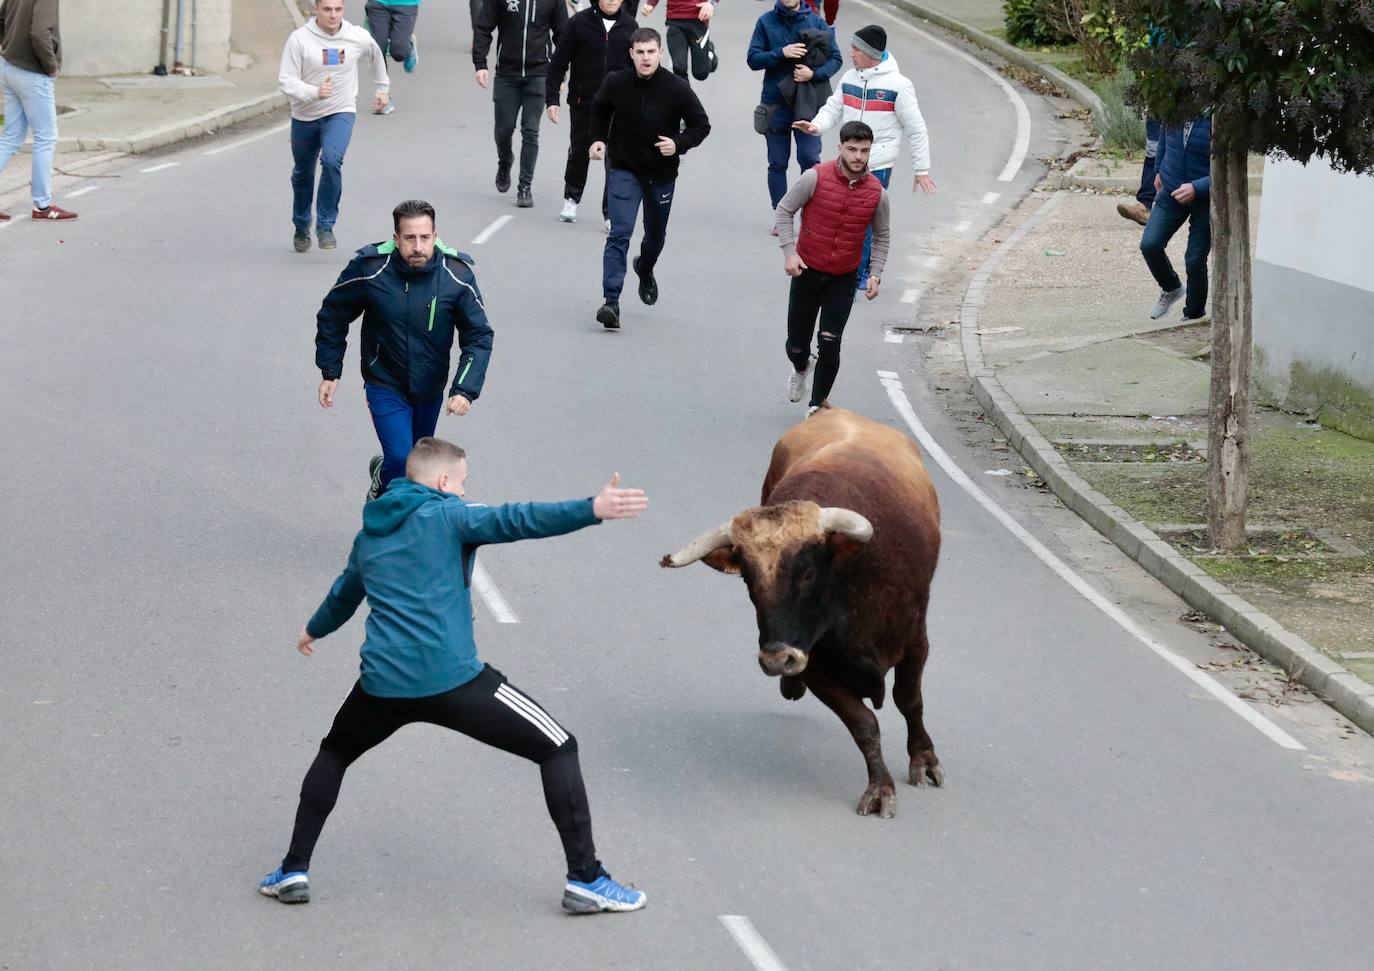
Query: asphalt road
{"points": [[176, 503]]}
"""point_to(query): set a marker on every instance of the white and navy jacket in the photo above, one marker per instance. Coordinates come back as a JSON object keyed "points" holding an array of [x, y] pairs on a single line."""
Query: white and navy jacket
{"points": [[884, 100]]}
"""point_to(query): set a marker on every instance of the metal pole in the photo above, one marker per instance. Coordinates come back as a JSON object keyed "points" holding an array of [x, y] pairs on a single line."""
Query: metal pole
{"points": [[161, 68], [193, 32], [176, 57]]}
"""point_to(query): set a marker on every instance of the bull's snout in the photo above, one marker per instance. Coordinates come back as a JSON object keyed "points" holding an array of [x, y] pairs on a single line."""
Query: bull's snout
{"points": [[779, 659]]}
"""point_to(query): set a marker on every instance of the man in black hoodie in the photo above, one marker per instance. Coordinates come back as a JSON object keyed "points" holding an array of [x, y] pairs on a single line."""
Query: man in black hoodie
{"points": [[649, 117], [527, 32], [596, 42]]}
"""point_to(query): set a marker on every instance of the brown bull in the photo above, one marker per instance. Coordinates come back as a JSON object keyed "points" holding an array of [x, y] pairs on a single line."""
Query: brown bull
{"points": [[838, 561]]}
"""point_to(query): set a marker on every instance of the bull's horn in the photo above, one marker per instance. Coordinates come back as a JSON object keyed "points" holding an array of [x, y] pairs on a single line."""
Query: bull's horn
{"points": [[846, 521], [699, 547]]}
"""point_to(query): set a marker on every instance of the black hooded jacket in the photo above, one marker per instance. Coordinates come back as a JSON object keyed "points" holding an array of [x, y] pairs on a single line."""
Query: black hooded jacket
{"points": [[526, 32], [592, 53]]}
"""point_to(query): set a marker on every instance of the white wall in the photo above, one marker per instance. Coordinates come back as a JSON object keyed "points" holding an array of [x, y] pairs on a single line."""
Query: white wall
{"points": [[1318, 221], [125, 36]]}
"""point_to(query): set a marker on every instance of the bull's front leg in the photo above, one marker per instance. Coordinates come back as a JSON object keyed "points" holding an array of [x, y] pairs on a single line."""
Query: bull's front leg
{"points": [[881, 795]]}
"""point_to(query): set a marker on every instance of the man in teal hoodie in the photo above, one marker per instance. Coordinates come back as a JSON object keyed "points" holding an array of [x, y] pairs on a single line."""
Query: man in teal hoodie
{"points": [[413, 563]]}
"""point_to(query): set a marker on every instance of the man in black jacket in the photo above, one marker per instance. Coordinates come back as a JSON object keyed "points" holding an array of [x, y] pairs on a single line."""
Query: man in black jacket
{"points": [[527, 31], [649, 117], [596, 42], [413, 294]]}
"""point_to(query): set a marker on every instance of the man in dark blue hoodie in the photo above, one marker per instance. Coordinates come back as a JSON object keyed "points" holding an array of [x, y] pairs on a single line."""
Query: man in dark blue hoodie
{"points": [[1183, 187], [413, 563], [777, 50]]}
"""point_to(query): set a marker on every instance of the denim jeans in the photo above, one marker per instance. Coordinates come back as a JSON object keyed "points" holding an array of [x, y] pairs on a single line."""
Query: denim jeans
{"points": [[325, 139], [400, 424], [29, 103], [514, 95], [830, 297], [883, 176], [1166, 218], [625, 193], [780, 137]]}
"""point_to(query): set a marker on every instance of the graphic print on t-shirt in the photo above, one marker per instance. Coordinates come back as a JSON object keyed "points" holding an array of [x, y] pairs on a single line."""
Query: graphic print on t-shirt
{"points": [[333, 56]]}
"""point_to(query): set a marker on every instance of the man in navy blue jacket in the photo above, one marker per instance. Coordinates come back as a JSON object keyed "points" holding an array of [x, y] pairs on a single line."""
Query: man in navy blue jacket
{"points": [[1183, 190], [413, 563], [413, 293], [776, 50]]}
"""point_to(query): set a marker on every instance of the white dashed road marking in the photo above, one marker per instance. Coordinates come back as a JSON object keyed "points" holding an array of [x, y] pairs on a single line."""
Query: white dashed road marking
{"points": [[245, 141], [82, 192], [755, 948], [990, 197], [491, 230], [897, 394], [910, 296], [159, 168]]}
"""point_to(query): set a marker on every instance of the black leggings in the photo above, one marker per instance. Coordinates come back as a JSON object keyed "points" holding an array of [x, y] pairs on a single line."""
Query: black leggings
{"points": [[832, 297], [488, 709]]}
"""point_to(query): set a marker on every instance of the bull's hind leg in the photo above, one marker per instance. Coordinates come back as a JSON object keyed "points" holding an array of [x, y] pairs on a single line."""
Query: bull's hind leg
{"points": [[881, 795], [906, 693]]}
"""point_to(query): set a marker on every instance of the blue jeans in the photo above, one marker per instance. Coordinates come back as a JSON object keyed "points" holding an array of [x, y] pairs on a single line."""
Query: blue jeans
{"points": [[1166, 218], [882, 175], [624, 194], [400, 424], [780, 136], [29, 103], [325, 140]]}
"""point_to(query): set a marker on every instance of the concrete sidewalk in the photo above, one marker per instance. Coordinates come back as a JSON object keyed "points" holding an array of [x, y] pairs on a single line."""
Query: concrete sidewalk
{"points": [[1110, 409], [101, 119]]}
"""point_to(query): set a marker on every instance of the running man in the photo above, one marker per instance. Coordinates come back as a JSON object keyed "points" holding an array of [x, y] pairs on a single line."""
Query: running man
{"points": [[319, 73], [392, 23], [649, 118], [688, 25], [838, 201], [413, 563], [413, 294]]}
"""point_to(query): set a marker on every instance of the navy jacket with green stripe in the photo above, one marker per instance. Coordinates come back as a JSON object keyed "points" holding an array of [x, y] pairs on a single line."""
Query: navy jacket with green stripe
{"points": [[409, 319], [413, 564]]}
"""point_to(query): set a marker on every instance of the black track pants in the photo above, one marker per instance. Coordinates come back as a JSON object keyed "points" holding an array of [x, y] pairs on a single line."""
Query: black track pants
{"points": [[488, 709]]}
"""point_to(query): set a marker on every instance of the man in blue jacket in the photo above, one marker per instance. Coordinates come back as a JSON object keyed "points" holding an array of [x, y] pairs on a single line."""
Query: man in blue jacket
{"points": [[776, 49], [1183, 184], [413, 294], [413, 563]]}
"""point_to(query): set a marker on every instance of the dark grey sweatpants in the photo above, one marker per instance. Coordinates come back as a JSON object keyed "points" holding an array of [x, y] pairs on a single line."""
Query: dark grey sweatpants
{"points": [[392, 27], [523, 97]]}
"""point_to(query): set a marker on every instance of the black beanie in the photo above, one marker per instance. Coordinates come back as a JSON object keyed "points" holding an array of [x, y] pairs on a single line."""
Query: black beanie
{"points": [[872, 40]]}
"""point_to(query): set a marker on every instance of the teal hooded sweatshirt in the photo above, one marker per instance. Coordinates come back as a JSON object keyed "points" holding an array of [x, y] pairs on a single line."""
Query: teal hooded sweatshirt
{"points": [[413, 562]]}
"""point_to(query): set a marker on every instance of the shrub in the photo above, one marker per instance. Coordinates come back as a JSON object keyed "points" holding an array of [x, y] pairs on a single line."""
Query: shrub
{"points": [[1118, 124], [1031, 23]]}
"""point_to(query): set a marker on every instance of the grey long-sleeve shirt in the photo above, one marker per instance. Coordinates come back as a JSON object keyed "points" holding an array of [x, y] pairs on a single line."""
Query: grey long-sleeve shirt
{"points": [[29, 38], [800, 194]]}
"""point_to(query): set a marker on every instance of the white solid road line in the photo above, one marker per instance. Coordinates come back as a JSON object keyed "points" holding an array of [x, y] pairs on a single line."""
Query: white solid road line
{"points": [[1022, 143], [755, 948], [245, 141], [892, 337], [491, 230], [159, 168], [486, 589], [82, 192], [897, 394]]}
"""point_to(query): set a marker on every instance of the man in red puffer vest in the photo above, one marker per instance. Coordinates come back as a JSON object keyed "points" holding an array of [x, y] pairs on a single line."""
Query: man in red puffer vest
{"points": [[838, 200]]}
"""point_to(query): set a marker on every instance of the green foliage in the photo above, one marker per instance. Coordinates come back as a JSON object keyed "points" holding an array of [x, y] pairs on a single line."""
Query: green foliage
{"points": [[1032, 23], [1288, 76], [1118, 124]]}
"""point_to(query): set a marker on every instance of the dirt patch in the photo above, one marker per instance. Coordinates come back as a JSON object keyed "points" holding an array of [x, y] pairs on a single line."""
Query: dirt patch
{"points": [[1154, 452], [1276, 544]]}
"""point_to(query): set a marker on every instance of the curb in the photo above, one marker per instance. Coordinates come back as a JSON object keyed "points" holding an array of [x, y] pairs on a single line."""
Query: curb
{"points": [[1076, 90], [1328, 680], [178, 131]]}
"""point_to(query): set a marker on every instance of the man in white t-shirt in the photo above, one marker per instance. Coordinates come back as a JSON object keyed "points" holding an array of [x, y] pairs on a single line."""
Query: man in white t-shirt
{"points": [[319, 73]]}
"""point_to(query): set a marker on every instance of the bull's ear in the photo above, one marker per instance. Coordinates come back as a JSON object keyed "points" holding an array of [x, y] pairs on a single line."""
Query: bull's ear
{"points": [[842, 547], [724, 559]]}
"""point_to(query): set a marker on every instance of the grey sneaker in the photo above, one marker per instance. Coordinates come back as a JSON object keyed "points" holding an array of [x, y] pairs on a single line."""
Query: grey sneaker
{"points": [[326, 238], [523, 197], [374, 472], [301, 241], [798, 380], [1166, 300]]}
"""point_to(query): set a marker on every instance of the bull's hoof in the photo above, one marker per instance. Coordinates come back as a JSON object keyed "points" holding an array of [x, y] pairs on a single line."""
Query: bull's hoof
{"points": [[880, 799], [926, 770], [792, 687]]}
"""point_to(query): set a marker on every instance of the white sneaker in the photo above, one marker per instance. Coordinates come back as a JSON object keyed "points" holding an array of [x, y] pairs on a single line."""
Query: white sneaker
{"points": [[608, 227], [1166, 300], [798, 380], [569, 213]]}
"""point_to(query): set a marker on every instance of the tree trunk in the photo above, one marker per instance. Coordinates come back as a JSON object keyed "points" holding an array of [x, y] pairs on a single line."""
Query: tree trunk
{"points": [[1228, 432]]}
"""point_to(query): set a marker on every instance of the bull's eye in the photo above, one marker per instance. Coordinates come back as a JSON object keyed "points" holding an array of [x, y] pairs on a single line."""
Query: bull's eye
{"points": [[808, 577]]}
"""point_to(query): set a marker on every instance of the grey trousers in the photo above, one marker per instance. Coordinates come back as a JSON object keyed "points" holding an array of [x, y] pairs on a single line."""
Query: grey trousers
{"points": [[392, 28], [523, 97]]}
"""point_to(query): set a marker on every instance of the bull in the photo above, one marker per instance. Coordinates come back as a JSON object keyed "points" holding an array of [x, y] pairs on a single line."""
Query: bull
{"points": [[838, 561]]}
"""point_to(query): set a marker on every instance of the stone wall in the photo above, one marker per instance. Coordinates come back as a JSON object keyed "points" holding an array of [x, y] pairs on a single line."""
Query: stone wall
{"points": [[125, 36]]}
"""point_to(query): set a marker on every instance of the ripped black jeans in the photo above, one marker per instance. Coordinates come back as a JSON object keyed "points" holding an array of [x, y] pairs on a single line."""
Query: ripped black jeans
{"points": [[831, 297]]}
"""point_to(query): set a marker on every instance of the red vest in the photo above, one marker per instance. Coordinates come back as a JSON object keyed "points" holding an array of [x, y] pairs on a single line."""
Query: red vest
{"points": [[835, 220]]}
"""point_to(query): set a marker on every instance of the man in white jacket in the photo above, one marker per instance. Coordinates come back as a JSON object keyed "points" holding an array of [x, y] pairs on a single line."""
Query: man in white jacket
{"points": [[874, 92], [319, 73]]}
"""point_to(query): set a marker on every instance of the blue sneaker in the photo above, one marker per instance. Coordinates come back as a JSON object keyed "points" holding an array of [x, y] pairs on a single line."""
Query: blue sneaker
{"points": [[603, 893], [289, 888], [413, 57]]}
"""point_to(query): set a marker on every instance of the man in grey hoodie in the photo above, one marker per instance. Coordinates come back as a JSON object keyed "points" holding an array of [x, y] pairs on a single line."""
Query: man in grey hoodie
{"points": [[30, 59]]}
